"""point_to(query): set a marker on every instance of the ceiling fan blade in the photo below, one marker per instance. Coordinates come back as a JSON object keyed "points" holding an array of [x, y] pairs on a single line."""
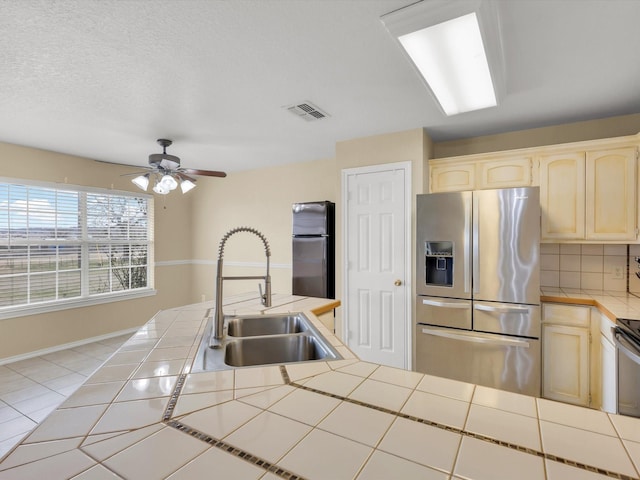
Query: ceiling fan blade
{"points": [[183, 176], [203, 173], [134, 173]]}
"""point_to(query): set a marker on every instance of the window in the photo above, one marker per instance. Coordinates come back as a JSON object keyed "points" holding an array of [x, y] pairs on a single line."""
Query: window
{"points": [[62, 245]]}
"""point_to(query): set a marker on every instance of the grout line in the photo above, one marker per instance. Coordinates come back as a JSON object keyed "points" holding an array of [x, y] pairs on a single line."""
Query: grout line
{"points": [[463, 432], [41, 383], [274, 469], [253, 459], [222, 445]]}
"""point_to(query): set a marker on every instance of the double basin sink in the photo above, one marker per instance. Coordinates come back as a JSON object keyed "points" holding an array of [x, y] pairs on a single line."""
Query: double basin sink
{"points": [[263, 340]]}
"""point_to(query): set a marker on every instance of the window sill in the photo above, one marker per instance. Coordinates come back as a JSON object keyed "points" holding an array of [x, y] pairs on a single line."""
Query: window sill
{"points": [[46, 307]]}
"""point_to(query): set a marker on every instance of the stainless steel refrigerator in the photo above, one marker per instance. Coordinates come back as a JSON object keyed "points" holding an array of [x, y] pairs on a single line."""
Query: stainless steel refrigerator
{"points": [[314, 249], [478, 287]]}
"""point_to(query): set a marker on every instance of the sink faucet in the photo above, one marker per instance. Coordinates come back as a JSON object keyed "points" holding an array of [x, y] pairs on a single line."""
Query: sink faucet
{"points": [[265, 297]]}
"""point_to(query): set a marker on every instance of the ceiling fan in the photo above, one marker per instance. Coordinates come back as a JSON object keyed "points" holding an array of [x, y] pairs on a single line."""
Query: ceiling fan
{"points": [[168, 174]]}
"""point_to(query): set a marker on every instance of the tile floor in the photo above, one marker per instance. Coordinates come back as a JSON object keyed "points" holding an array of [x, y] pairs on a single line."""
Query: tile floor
{"points": [[31, 389]]}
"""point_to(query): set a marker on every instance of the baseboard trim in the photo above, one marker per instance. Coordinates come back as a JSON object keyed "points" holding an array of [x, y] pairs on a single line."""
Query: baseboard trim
{"points": [[64, 346]]}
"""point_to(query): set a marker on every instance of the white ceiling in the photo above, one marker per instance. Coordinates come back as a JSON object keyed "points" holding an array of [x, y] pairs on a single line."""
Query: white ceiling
{"points": [[105, 78]]}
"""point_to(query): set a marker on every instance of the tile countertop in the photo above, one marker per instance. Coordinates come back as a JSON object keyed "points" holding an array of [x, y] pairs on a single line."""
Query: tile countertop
{"points": [[142, 415], [612, 304]]}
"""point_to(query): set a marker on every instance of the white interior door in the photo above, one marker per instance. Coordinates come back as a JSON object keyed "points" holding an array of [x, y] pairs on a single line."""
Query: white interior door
{"points": [[376, 216]]}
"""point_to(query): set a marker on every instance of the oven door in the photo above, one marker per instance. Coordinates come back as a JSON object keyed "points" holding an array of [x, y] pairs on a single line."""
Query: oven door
{"points": [[628, 373]]}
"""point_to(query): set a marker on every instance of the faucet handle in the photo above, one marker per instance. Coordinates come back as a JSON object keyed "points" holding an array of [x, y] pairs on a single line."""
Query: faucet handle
{"points": [[263, 297]]}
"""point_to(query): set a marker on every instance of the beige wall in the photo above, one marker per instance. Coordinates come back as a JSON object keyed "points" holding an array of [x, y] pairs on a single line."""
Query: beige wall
{"points": [[571, 132], [260, 199], [21, 335], [410, 146], [189, 228]]}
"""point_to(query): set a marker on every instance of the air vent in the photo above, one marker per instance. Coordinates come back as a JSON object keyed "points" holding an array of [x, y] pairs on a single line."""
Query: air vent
{"points": [[307, 110]]}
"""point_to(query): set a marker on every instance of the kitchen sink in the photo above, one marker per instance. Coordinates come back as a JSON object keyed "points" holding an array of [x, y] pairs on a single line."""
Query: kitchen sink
{"points": [[263, 340], [261, 325], [277, 349]]}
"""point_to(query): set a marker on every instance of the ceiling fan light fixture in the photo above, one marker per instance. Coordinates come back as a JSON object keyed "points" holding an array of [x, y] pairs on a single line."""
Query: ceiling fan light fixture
{"points": [[164, 160], [169, 182], [160, 189], [165, 173], [142, 182], [187, 185]]}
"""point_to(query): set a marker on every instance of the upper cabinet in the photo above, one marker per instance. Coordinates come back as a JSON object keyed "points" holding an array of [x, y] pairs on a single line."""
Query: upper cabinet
{"points": [[512, 172], [589, 195], [587, 189], [481, 174], [562, 196], [611, 194], [455, 177]]}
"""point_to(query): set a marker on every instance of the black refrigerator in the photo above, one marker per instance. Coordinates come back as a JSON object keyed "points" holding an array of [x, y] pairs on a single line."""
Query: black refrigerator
{"points": [[314, 249]]}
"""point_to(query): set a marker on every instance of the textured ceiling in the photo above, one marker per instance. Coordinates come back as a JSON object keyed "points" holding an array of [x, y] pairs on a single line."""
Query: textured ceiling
{"points": [[105, 78]]}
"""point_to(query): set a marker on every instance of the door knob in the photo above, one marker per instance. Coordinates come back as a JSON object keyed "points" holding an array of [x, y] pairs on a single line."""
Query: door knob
{"points": [[397, 283]]}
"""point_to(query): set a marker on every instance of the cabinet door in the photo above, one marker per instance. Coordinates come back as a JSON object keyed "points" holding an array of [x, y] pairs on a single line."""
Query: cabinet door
{"points": [[609, 381], [515, 172], [570, 315], [562, 196], [452, 178], [565, 364], [611, 194]]}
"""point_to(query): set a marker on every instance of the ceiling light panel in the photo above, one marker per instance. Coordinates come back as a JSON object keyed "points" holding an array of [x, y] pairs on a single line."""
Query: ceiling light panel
{"points": [[456, 48]]}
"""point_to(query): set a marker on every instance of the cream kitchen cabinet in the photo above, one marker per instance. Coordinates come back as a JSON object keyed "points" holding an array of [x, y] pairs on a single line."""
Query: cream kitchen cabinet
{"points": [[453, 177], [611, 204], [589, 195], [565, 353], [479, 173], [562, 196], [515, 172], [608, 364]]}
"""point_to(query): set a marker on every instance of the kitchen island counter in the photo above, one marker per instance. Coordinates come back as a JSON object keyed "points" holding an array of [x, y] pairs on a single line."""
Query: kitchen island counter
{"points": [[143, 415]]}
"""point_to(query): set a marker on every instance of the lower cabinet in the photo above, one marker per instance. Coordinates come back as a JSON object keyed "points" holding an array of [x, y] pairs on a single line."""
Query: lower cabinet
{"points": [[608, 365], [609, 390], [565, 359], [576, 369], [565, 353]]}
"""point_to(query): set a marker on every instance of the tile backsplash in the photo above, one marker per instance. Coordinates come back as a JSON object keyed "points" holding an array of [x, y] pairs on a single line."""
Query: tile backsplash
{"points": [[589, 267]]}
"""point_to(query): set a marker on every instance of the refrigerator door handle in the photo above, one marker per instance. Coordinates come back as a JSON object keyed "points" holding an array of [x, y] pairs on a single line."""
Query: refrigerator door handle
{"points": [[502, 309], [469, 337], [437, 303], [467, 245], [475, 269]]}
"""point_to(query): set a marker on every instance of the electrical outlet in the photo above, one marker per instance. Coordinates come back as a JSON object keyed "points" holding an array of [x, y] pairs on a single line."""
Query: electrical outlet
{"points": [[617, 273]]}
